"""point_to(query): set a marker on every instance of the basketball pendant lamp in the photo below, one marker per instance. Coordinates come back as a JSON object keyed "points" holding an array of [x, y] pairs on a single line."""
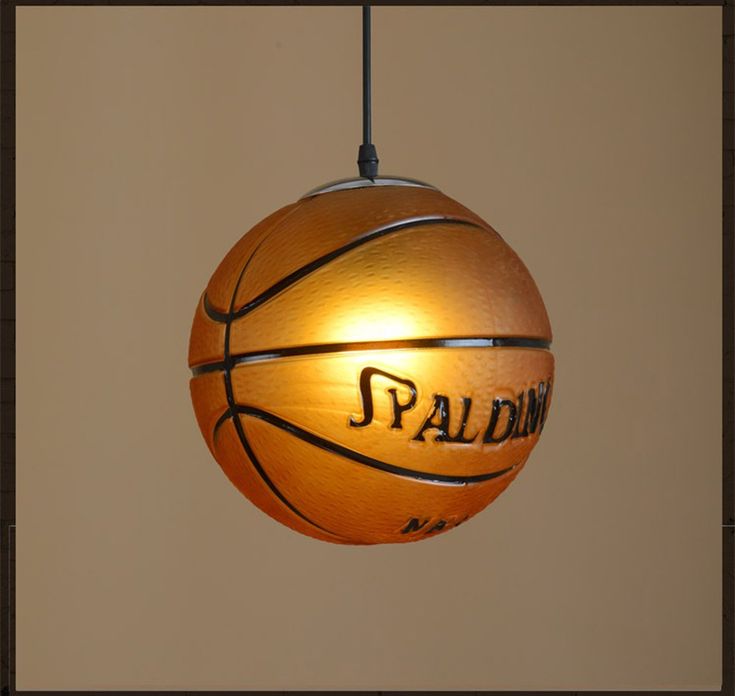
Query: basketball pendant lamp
{"points": [[371, 363]]}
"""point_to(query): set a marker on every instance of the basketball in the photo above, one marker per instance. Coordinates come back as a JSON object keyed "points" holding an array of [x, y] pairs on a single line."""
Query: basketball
{"points": [[371, 363]]}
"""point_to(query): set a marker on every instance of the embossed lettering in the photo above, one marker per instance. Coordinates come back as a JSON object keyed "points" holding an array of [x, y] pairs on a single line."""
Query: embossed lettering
{"points": [[399, 408], [533, 410], [437, 527], [517, 417], [440, 524], [498, 405], [459, 437], [544, 404], [413, 525], [440, 411], [519, 413], [366, 397]]}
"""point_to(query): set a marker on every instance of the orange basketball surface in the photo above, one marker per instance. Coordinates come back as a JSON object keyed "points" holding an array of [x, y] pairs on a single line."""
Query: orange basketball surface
{"points": [[371, 364]]}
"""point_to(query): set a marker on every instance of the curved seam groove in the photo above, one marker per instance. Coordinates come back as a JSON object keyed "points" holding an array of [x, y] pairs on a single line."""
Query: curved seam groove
{"points": [[233, 413], [292, 278], [356, 346], [347, 453]]}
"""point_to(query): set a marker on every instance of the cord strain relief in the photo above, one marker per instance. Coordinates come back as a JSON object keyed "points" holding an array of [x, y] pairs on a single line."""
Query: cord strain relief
{"points": [[367, 161]]}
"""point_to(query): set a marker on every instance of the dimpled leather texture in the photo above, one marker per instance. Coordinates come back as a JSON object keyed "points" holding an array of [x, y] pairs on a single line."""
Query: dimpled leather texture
{"points": [[371, 365]]}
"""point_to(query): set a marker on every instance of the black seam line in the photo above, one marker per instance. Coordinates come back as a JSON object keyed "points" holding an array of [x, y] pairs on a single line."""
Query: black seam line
{"points": [[309, 268], [276, 491], [335, 448], [221, 421], [398, 344], [232, 412], [214, 314]]}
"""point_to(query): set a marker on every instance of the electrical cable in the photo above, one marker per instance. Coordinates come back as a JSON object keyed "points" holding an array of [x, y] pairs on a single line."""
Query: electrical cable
{"points": [[367, 156]]}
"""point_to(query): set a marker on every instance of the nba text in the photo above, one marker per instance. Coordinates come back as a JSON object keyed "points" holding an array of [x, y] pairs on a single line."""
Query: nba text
{"points": [[429, 525]]}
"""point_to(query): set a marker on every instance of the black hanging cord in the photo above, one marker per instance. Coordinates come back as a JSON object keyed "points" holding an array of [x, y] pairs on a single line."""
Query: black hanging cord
{"points": [[367, 156], [366, 77]]}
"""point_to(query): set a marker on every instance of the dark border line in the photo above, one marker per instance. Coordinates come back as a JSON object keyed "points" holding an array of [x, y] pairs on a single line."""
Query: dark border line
{"points": [[300, 273], [334, 448], [356, 346], [7, 348], [213, 313], [728, 348]]}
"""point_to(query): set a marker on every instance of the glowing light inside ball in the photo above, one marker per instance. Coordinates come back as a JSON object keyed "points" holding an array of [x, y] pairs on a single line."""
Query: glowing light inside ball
{"points": [[371, 363]]}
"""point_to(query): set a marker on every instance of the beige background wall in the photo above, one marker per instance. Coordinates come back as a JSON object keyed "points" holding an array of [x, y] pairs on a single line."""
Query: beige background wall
{"points": [[150, 139]]}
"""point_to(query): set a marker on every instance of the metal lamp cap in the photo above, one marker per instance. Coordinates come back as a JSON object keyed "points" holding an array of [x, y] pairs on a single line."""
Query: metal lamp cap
{"points": [[363, 182]]}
